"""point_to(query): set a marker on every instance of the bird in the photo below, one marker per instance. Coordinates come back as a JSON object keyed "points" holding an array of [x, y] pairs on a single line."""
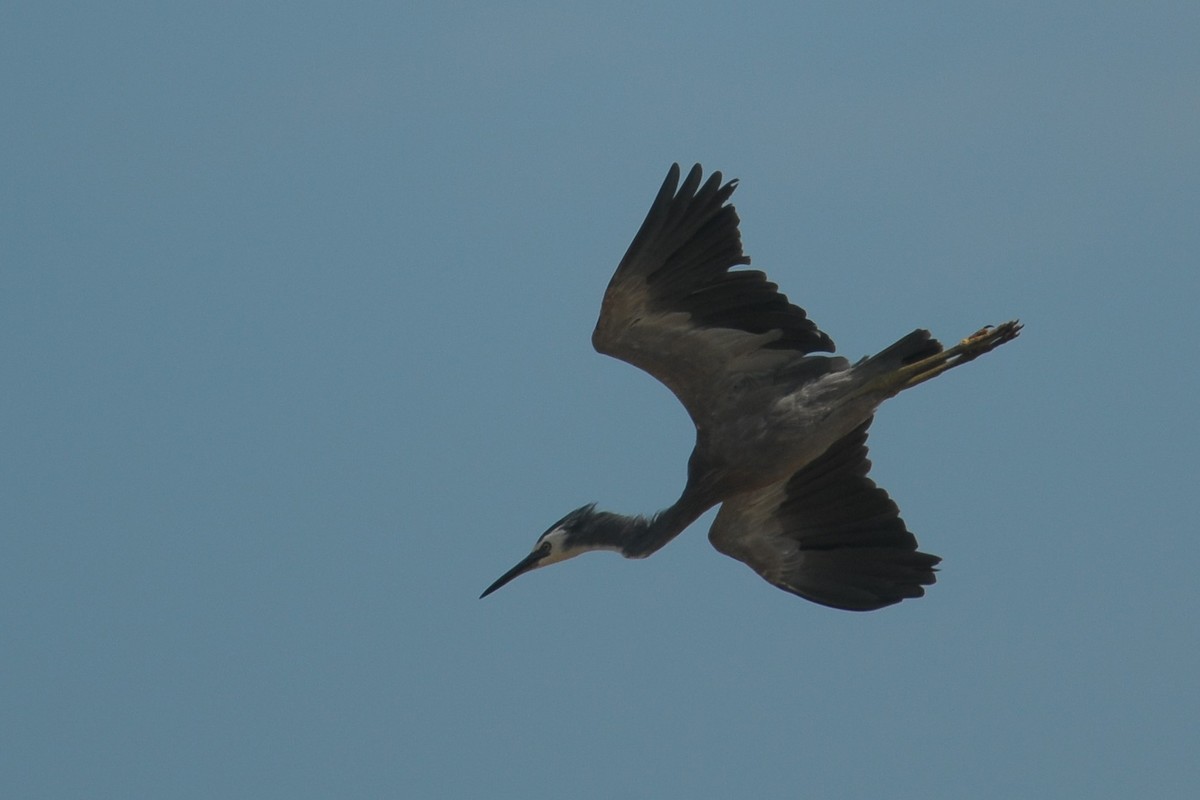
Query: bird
{"points": [[781, 423]]}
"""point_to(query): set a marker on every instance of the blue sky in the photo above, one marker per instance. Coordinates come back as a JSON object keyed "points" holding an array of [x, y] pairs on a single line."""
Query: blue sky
{"points": [[295, 303]]}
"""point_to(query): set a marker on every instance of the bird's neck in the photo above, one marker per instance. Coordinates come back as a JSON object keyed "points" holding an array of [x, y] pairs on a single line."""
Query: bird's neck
{"points": [[638, 537]]}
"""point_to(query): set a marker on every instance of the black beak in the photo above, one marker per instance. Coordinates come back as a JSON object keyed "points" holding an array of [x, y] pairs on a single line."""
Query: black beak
{"points": [[529, 562]]}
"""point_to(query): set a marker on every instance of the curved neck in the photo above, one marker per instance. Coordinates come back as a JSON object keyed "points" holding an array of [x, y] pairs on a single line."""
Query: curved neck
{"points": [[638, 537]]}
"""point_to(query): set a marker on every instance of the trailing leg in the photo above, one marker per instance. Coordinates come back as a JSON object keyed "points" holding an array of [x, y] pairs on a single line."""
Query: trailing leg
{"points": [[930, 366]]}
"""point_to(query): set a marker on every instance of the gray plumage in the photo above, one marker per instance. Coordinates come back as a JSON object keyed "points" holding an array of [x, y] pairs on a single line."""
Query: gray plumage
{"points": [[780, 428]]}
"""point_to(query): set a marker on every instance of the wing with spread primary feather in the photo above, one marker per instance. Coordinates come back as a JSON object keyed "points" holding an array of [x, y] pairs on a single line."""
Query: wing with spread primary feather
{"points": [[827, 534], [675, 309]]}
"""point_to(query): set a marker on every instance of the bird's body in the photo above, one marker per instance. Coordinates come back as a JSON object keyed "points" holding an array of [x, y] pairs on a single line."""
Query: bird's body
{"points": [[780, 427]]}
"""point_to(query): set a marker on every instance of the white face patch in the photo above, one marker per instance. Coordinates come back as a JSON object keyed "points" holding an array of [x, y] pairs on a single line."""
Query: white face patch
{"points": [[558, 548], [561, 551]]}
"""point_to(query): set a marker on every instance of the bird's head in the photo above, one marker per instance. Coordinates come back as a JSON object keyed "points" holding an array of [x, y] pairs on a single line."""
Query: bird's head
{"points": [[561, 541]]}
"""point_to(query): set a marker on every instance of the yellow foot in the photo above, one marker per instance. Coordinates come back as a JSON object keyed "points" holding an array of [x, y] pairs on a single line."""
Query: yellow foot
{"points": [[987, 338], [979, 334]]}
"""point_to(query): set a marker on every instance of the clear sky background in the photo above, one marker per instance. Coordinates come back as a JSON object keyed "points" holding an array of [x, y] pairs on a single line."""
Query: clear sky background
{"points": [[295, 301]]}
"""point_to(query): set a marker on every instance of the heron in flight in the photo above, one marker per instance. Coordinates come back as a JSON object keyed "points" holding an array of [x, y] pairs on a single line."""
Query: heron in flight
{"points": [[780, 431]]}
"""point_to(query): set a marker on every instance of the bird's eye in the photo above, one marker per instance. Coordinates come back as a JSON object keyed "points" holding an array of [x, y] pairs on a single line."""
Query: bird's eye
{"points": [[544, 549]]}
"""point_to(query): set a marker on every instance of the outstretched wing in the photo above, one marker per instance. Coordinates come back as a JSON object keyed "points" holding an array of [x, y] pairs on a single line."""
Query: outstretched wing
{"points": [[827, 534], [675, 310]]}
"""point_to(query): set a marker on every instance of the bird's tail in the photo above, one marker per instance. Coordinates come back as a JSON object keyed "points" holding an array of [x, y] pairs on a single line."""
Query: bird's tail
{"points": [[915, 346]]}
